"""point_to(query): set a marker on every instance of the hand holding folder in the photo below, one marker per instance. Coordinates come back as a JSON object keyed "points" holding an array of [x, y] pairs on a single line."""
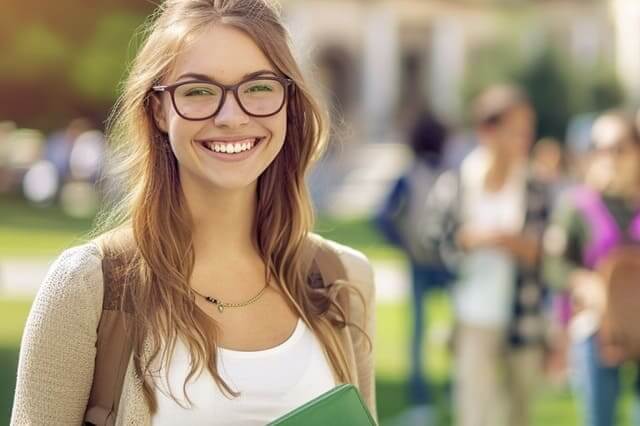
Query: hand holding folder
{"points": [[341, 406]]}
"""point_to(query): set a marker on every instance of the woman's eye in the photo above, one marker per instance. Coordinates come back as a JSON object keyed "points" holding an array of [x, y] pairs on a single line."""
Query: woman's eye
{"points": [[198, 92], [259, 88]]}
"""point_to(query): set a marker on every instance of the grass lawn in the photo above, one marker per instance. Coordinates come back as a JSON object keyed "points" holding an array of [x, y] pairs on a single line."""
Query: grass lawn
{"points": [[29, 231], [26, 230]]}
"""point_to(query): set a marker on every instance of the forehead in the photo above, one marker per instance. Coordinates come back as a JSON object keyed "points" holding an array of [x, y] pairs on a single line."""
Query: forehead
{"points": [[521, 111], [609, 132], [223, 53]]}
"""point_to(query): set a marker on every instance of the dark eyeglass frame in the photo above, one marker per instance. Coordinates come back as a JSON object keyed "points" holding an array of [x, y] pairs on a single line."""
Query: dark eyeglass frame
{"points": [[617, 149], [233, 88]]}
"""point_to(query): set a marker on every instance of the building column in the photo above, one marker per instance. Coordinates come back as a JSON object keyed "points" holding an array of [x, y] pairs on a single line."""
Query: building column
{"points": [[380, 72], [447, 67], [626, 16]]}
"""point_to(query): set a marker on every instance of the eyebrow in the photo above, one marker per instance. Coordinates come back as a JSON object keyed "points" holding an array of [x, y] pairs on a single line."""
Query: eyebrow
{"points": [[205, 77]]}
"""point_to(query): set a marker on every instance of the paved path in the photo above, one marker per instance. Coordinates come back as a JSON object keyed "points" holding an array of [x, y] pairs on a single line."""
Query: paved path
{"points": [[20, 277]]}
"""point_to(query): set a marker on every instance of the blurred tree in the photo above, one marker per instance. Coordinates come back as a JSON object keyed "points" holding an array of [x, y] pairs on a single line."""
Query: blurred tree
{"points": [[65, 58], [548, 84], [557, 90]]}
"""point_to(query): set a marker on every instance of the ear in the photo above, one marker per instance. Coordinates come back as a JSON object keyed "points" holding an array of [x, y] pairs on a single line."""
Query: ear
{"points": [[159, 115]]}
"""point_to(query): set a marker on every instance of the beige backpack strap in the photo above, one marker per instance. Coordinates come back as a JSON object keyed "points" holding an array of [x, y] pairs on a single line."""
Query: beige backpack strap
{"points": [[322, 262], [326, 267], [328, 263], [113, 347]]}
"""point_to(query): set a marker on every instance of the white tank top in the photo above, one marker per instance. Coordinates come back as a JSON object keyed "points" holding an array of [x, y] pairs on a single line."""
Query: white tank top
{"points": [[272, 382]]}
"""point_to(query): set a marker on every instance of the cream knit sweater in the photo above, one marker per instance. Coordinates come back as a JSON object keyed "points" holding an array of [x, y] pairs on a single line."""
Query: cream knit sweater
{"points": [[57, 353]]}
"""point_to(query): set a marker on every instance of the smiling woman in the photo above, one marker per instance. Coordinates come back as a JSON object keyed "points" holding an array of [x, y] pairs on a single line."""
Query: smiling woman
{"points": [[208, 260]]}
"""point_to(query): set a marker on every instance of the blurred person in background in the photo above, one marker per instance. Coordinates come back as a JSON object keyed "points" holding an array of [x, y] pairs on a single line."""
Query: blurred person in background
{"points": [[399, 218], [6, 128], [548, 164], [60, 143], [590, 224], [487, 220]]}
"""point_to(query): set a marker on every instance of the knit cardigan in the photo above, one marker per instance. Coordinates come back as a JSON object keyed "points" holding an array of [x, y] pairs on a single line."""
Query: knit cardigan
{"points": [[57, 354]]}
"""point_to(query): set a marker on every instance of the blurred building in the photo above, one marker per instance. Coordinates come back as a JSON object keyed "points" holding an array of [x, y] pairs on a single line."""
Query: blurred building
{"points": [[381, 58], [626, 15]]}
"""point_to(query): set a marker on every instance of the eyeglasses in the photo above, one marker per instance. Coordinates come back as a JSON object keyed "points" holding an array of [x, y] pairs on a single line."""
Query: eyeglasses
{"points": [[618, 148], [200, 100]]}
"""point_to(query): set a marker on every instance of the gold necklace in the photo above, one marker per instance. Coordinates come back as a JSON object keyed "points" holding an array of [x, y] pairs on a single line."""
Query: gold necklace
{"points": [[221, 305]]}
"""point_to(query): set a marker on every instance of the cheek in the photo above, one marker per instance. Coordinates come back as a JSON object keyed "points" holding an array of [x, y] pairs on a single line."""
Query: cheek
{"points": [[629, 165], [277, 126]]}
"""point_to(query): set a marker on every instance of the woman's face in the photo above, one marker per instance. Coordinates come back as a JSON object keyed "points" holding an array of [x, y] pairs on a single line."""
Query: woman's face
{"points": [[515, 132], [615, 161], [225, 55], [511, 138]]}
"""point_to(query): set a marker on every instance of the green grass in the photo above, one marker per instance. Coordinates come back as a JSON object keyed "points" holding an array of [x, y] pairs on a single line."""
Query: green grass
{"points": [[360, 234], [26, 230]]}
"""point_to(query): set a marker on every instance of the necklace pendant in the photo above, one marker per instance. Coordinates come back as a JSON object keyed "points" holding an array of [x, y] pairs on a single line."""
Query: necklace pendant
{"points": [[220, 308]]}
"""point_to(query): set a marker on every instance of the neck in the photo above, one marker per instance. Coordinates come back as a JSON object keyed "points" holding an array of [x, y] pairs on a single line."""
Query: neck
{"points": [[500, 167], [222, 221]]}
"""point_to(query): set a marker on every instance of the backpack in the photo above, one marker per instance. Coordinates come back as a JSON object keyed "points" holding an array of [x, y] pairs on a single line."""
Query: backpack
{"points": [[614, 254], [619, 334], [113, 348], [404, 210]]}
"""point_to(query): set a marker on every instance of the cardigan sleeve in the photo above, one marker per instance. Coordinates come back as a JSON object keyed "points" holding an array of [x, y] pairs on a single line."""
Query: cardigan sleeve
{"points": [[57, 353], [360, 274]]}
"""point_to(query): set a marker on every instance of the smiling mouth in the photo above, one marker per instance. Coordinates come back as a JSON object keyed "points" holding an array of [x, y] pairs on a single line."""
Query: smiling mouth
{"points": [[234, 147]]}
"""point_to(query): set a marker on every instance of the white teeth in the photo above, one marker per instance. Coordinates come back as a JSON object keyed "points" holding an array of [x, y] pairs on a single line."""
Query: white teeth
{"points": [[231, 148]]}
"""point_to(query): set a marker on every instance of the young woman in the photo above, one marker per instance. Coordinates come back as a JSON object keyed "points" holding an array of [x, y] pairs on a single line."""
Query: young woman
{"points": [[590, 223], [215, 131]]}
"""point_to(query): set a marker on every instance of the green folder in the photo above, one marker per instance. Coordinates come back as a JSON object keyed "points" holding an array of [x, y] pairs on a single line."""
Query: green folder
{"points": [[341, 406]]}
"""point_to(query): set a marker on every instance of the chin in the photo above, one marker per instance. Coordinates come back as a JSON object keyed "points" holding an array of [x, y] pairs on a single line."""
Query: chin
{"points": [[233, 184]]}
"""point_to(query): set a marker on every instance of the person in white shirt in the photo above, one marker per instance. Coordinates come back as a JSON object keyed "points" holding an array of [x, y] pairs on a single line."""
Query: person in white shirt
{"points": [[487, 220]]}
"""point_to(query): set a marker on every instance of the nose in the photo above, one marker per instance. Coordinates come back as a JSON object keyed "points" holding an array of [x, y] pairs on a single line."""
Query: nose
{"points": [[231, 114]]}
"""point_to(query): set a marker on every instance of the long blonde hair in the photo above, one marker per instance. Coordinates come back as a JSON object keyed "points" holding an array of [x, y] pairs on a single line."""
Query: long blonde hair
{"points": [[152, 209]]}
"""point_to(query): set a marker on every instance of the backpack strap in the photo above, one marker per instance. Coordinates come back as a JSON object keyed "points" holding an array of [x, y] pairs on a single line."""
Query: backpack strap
{"points": [[605, 233], [634, 228], [113, 347], [325, 266]]}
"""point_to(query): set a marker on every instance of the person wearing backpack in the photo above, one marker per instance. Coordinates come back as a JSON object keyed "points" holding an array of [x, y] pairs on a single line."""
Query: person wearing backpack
{"points": [[399, 219], [591, 250], [486, 219], [225, 307]]}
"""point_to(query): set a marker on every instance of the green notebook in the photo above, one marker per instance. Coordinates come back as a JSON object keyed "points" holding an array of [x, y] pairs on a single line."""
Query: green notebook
{"points": [[341, 406]]}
